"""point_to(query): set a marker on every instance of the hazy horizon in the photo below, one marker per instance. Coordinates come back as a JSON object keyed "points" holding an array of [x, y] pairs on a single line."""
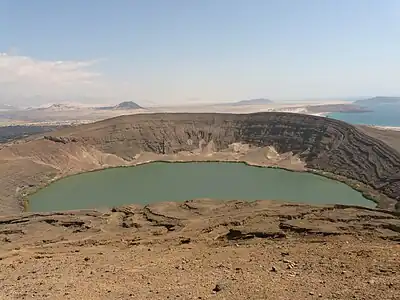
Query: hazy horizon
{"points": [[192, 52], [154, 104]]}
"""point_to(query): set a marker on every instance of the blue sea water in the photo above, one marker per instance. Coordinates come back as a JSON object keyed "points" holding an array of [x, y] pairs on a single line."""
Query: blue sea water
{"points": [[381, 115]]}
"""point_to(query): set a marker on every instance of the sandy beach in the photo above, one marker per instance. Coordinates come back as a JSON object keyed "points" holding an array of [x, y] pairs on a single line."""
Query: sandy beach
{"points": [[393, 128]]}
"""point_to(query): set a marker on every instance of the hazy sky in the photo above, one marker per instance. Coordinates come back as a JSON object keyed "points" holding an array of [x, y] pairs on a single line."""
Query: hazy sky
{"points": [[185, 51]]}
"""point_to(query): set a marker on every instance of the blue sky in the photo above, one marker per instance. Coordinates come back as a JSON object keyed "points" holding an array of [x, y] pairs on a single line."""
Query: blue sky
{"points": [[181, 51]]}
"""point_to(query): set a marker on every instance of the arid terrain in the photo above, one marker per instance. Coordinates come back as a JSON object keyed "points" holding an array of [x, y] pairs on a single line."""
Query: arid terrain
{"points": [[13, 133], [67, 114], [204, 249]]}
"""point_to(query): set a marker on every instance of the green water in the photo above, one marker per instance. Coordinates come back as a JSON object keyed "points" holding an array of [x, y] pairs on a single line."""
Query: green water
{"points": [[158, 182]]}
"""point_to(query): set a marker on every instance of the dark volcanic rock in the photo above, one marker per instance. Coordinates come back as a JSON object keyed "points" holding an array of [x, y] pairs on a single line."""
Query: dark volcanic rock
{"points": [[123, 105], [128, 105]]}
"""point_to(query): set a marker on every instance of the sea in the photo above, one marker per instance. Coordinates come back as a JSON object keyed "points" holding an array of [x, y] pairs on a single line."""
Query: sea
{"points": [[385, 115]]}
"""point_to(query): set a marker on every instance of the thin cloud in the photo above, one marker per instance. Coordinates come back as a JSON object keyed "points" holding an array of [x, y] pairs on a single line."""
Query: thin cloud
{"points": [[23, 78], [22, 68]]}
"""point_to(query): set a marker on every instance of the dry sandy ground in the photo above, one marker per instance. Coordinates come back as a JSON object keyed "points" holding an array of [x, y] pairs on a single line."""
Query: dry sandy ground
{"points": [[202, 250], [228, 108], [315, 268], [389, 135], [88, 115]]}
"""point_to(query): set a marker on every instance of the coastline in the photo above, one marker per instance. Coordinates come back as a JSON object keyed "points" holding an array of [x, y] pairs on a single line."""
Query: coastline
{"points": [[393, 128], [372, 125]]}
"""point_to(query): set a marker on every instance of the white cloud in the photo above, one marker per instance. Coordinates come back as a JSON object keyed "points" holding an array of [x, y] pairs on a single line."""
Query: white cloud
{"points": [[28, 81]]}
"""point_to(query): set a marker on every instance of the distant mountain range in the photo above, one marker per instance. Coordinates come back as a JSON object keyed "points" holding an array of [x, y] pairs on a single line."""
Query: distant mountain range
{"points": [[258, 101], [378, 101], [58, 107]]}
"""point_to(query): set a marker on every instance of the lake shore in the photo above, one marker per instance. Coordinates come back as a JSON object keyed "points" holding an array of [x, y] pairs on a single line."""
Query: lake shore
{"points": [[266, 157]]}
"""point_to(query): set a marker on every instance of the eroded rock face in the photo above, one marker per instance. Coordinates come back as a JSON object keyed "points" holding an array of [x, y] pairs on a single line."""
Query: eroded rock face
{"points": [[216, 219], [325, 144]]}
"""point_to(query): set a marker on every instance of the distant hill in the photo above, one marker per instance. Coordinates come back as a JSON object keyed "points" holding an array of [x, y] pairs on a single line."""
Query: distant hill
{"points": [[58, 107], [122, 106], [378, 101], [128, 105], [258, 101]]}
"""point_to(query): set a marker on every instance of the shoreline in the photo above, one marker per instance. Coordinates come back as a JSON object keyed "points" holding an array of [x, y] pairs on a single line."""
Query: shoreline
{"points": [[392, 128], [24, 201], [380, 127], [381, 201]]}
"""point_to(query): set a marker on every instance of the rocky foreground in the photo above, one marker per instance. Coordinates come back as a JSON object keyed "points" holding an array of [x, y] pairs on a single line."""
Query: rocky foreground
{"points": [[202, 249]]}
